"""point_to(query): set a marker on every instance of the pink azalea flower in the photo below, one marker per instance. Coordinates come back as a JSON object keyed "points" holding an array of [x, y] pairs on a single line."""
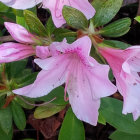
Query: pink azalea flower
{"points": [[86, 81], [126, 69], [55, 6], [16, 51]]}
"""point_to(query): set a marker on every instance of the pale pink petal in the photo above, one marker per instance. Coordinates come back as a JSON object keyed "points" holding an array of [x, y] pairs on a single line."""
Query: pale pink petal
{"points": [[55, 11], [136, 114], [85, 7], [14, 51], [126, 67], [98, 79], [19, 33], [134, 62], [46, 80], [50, 63], [54, 47], [132, 100], [81, 45], [21, 4], [56, 6], [5, 1], [42, 52], [81, 97]]}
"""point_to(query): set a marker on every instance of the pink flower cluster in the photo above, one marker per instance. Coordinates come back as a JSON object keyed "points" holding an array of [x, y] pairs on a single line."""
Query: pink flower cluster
{"points": [[86, 81]]}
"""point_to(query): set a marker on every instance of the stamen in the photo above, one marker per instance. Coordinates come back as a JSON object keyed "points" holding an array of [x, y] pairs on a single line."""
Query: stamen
{"points": [[41, 5], [36, 104]]}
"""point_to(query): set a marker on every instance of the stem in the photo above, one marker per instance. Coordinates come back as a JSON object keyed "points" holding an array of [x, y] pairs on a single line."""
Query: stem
{"points": [[96, 49]]}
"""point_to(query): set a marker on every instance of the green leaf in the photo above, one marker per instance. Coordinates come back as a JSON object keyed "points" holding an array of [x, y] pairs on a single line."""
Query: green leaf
{"points": [[114, 44], [18, 115], [50, 27], [71, 128], [60, 34], [1, 22], [57, 93], [105, 10], [137, 19], [2, 100], [9, 16], [101, 119], [4, 136], [14, 69], [111, 76], [74, 18], [6, 119], [111, 110], [34, 23], [118, 135], [47, 110], [20, 19], [117, 28], [3, 8], [26, 78]]}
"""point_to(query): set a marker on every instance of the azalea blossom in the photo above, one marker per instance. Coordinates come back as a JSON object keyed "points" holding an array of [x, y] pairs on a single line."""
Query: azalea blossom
{"points": [[55, 6], [126, 69], [86, 81], [16, 51]]}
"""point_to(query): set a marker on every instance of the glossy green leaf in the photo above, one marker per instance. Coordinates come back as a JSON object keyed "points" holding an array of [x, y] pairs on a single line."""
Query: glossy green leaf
{"points": [[74, 18], [34, 23], [3, 8], [50, 27], [137, 19], [57, 93], [4, 136], [111, 110], [114, 44], [118, 135], [20, 19], [14, 69], [117, 28], [47, 110], [26, 78], [105, 10], [18, 115], [72, 128], [61, 33], [101, 119], [6, 119]]}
